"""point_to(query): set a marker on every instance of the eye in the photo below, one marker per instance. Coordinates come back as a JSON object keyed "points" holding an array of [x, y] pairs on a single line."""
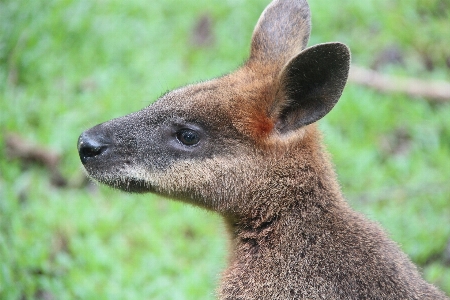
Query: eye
{"points": [[188, 137]]}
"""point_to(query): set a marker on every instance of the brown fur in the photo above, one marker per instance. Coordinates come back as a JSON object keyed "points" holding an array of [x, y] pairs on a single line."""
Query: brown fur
{"points": [[257, 159]]}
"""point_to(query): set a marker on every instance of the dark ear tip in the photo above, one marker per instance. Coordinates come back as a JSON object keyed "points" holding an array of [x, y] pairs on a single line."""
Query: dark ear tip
{"points": [[340, 55], [342, 50]]}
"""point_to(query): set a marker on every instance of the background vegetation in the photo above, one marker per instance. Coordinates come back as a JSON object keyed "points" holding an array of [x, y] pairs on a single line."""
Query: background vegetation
{"points": [[66, 65]]}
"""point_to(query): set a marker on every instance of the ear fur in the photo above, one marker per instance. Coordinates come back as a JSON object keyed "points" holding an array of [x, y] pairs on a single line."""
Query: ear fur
{"points": [[310, 85], [282, 31]]}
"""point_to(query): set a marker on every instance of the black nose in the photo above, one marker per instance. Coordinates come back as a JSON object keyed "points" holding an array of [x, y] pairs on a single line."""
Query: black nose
{"points": [[90, 146]]}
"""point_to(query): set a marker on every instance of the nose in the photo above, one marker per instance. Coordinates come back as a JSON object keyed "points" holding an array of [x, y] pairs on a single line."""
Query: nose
{"points": [[91, 145]]}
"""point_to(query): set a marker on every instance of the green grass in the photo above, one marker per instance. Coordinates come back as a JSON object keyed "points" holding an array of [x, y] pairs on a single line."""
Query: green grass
{"points": [[67, 65]]}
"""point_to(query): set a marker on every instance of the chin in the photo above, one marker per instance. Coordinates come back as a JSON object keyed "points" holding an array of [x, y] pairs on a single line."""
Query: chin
{"points": [[123, 183]]}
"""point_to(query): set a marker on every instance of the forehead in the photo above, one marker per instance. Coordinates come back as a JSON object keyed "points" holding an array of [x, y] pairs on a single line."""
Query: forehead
{"points": [[240, 100], [202, 103]]}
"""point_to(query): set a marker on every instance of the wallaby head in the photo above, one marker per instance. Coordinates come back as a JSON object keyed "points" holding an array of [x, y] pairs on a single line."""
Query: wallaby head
{"points": [[245, 145], [204, 142]]}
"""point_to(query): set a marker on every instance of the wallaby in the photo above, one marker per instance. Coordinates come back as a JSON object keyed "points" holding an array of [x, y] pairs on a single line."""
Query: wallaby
{"points": [[245, 145]]}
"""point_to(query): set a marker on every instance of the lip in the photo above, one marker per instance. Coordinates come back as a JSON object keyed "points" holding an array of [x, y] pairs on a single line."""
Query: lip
{"points": [[133, 185]]}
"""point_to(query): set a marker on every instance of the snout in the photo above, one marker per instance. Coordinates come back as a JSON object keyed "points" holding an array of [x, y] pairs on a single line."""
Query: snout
{"points": [[91, 145]]}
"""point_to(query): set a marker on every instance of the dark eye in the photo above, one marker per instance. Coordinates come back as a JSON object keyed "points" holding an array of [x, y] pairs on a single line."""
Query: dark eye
{"points": [[188, 137]]}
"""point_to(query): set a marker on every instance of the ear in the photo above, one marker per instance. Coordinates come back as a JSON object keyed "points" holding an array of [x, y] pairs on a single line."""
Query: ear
{"points": [[281, 32], [310, 86]]}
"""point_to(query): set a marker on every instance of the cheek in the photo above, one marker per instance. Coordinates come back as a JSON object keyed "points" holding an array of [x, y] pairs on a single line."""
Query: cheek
{"points": [[185, 177], [211, 183]]}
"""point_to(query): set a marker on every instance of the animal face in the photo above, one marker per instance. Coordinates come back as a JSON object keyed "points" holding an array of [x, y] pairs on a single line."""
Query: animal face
{"points": [[190, 137]]}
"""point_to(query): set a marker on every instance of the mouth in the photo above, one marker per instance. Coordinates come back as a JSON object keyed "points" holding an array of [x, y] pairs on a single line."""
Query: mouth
{"points": [[123, 183], [133, 185]]}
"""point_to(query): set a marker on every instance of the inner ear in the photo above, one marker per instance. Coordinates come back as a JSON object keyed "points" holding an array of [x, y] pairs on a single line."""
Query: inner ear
{"points": [[310, 85]]}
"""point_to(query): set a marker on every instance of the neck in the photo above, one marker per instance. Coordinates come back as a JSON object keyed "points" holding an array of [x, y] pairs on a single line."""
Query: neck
{"points": [[263, 249], [269, 237], [310, 209]]}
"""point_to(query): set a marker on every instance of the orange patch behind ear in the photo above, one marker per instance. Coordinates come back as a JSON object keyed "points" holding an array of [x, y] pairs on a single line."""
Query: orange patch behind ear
{"points": [[260, 125], [251, 104], [252, 118], [256, 122]]}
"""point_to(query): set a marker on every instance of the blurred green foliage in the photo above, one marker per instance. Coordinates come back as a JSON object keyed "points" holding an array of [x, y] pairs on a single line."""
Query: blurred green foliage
{"points": [[67, 65]]}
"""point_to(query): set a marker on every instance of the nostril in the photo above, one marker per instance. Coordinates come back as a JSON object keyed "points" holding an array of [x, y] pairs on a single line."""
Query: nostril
{"points": [[89, 148], [87, 151]]}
